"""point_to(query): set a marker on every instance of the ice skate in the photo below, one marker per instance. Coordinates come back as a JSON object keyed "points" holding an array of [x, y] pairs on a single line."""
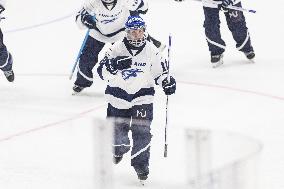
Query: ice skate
{"points": [[142, 177], [77, 89], [250, 56], [117, 159], [10, 76], [142, 182], [216, 60]]}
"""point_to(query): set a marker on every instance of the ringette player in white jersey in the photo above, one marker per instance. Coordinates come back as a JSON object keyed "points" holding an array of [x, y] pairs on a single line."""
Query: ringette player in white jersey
{"points": [[105, 19], [6, 59], [131, 68]]}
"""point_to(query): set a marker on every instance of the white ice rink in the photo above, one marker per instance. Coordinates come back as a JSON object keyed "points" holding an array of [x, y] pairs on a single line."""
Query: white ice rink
{"points": [[44, 139]]}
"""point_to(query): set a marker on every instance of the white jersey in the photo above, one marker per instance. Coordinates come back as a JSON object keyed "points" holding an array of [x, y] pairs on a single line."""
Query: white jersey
{"points": [[3, 3], [110, 20], [135, 85], [214, 3]]}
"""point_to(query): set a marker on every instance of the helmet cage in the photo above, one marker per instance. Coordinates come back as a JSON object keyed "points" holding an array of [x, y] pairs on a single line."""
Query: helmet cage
{"points": [[137, 42]]}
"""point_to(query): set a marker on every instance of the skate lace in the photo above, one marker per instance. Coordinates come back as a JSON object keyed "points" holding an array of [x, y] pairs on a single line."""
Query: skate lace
{"points": [[8, 73], [216, 56]]}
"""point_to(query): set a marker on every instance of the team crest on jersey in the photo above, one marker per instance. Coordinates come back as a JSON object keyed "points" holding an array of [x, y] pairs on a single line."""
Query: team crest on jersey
{"points": [[126, 74]]}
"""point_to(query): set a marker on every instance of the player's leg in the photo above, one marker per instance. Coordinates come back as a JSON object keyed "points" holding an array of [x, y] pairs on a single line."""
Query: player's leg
{"points": [[121, 121], [6, 60], [87, 61], [142, 117], [213, 35], [237, 25]]}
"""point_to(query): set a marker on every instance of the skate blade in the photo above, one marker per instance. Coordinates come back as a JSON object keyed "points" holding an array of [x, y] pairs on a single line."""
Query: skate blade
{"points": [[217, 64], [142, 182], [76, 93], [252, 60]]}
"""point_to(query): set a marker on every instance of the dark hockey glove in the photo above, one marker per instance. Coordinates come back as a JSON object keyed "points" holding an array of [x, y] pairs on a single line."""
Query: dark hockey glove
{"points": [[137, 12], [225, 4], [118, 63], [1, 9], [169, 87], [88, 20]]}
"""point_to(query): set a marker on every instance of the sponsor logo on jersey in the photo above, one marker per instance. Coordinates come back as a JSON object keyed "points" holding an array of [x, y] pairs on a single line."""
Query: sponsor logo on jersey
{"points": [[109, 18], [139, 64], [126, 74]]}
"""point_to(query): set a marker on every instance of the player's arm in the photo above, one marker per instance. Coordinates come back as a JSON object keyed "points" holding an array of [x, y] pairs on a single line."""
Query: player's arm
{"points": [[111, 64], [138, 7], [160, 73], [85, 20]]}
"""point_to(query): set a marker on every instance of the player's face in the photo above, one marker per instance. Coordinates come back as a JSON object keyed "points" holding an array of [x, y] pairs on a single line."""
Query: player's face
{"points": [[136, 34]]}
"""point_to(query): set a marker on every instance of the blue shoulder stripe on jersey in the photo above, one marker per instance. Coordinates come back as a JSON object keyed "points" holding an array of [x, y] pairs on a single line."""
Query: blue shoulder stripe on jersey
{"points": [[122, 94]]}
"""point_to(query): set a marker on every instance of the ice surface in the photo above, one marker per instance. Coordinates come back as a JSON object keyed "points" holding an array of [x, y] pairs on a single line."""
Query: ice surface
{"points": [[44, 142]]}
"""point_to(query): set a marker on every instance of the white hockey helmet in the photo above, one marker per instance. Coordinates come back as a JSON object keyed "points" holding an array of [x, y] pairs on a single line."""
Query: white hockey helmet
{"points": [[108, 1], [135, 28]]}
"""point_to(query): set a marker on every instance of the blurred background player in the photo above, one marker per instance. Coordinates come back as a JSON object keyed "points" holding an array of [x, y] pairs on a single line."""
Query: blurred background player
{"points": [[105, 19], [6, 59], [131, 69], [236, 23]]}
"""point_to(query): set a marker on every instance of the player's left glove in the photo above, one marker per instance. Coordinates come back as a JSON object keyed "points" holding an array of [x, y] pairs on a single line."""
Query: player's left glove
{"points": [[88, 20], [225, 4], [169, 87], [1, 9]]}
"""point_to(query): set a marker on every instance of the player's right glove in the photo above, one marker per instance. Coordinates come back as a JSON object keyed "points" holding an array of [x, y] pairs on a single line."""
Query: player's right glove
{"points": [[118, 63], [88, 20], [225, 4], [169, 87], [1, 9]]}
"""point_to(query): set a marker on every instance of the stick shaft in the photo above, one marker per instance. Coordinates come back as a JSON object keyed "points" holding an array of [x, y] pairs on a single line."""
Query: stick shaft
{"points": [[167, 102], [79, 54], [229, 7]]}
